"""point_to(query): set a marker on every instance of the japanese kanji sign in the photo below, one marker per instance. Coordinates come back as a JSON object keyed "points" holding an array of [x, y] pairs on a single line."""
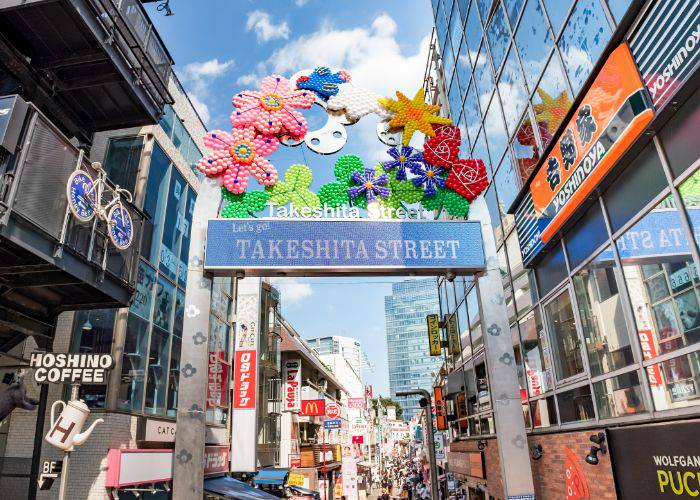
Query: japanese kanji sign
{"points": [[434, 334], [613, 113], [452, 335]]}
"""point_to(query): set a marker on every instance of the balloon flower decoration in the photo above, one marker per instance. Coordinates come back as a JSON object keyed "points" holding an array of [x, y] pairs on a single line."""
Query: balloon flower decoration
{"points": [[434, 176]]}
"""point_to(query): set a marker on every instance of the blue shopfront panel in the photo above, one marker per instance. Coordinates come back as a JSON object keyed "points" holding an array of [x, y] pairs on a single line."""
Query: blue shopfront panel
{"points": [[318, 247]]}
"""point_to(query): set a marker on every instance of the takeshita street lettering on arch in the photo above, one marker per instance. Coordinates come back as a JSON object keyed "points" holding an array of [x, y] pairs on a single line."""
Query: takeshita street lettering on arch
{"points": [[429, 179]]}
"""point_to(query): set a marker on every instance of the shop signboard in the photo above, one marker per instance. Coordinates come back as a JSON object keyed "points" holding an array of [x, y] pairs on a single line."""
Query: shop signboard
{"points": [[434, 340], [215, 459], [356, 403], [358, 426], [613, 113], [71, 368], [440, 417], [291, 373], [452, 335], [438, 439], [313, 407], [295, 479], [665, 42], [335, 423], [262, 247], [217, 380], [656, 461], [332, 410]]}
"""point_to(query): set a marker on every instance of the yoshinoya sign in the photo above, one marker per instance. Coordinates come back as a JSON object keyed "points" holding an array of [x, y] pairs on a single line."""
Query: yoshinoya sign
{"points": [[656, 460], [291, 371], [665, 42], [343, 246], [59, 368], [612, 114]]}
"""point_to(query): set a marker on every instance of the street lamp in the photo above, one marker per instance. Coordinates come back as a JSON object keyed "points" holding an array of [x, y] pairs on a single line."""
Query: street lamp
{"points": [[431, 438]]}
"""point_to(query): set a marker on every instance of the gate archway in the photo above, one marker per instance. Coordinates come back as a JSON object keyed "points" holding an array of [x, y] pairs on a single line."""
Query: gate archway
{"points": [[240, 244]]}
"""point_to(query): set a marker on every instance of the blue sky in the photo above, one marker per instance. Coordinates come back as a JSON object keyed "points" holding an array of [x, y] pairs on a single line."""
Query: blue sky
{"points": [[221, 47]]}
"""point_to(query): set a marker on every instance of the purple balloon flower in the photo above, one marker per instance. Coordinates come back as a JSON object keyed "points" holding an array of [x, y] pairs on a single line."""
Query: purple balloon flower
{"points": [[430, 176], [368, 184], [403, 158]]}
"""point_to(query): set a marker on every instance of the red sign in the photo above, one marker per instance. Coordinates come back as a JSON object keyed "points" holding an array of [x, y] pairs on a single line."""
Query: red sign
{"points": [[358, 439], [574, 478], [313, 407], [440, 416], [332, 410], [217, 380], [356, 403], [295, 460], [215, 459], [244, 379], [646, 339]]}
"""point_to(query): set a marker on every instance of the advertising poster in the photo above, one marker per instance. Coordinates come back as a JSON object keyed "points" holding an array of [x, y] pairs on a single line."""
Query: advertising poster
{"points": [[349, 477]]}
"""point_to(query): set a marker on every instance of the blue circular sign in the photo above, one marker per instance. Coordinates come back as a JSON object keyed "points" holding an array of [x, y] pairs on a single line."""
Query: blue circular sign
{"points": [[121, 227], [81, 196]]}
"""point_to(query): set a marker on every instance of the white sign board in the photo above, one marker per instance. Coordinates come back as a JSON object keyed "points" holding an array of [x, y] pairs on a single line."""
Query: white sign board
{"points": [[291, 371], [60, 368]]}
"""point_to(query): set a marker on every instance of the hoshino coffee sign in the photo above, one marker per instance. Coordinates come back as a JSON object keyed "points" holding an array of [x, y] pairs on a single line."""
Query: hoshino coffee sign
{"points": [[61, 368]]}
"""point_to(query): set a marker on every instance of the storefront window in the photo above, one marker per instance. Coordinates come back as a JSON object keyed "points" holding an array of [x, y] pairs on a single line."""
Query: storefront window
{"points": [[584, 38], [587, 235], [471, 116], [495, 130], [463, 68], [619, 396], [475, 320], [455, 99], [481, 152], [550, 101], [470, 389], [566, 347], [463, 324], [576, 405], [482, 76], [544, 412], [675, 383], [662, 281], [503, 266], [498, 36], [551, 270], [174, 372], [173, 225], [513, 91], [185, 247], [93, 332], [679, 136], [525, 148], [134, 360], [143, 298], [602, 318], [158, 364], [482, 385], [163, 310], [525, 295], [155, 203], [122, 161], [534, 41], [515, 337], [535, 354]]}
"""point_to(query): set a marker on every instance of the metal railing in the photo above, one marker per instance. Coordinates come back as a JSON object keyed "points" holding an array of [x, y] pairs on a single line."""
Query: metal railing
{"points": [[35, 190]]}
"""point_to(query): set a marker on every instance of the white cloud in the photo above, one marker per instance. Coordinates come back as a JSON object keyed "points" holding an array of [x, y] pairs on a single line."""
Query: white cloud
{"points": [[300, 3], [197, 77], [292, 291], [265, 30], [372, 56]]}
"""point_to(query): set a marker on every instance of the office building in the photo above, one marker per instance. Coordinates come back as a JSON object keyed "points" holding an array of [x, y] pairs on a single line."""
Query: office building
{"points": [[349, 348], [586, 115], [406, 334]]}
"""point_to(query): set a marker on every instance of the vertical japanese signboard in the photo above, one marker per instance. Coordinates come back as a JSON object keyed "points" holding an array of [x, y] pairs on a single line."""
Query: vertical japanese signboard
{"points": [[291, 373], [434, 334], [440, 416], [452, 335], [611, 116], [217, 380], [245, 375]]}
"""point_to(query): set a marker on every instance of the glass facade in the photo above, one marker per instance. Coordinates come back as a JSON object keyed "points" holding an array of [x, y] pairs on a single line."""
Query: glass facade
{"points": [[410, 366], [606, 324]]}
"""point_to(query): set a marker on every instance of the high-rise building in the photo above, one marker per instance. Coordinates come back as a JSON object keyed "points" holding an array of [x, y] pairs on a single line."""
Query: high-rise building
{"points": [[348, 347], [586, 114], [410, 366]]}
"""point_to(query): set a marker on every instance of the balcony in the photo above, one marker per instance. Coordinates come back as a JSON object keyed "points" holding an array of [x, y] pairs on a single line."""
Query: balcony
{"points": [[49, 262], [89, 65]]}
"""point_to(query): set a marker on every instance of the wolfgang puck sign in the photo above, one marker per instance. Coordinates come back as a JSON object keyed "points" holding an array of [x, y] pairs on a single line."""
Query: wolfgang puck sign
{"points": [[656, 460], [59, 368]]}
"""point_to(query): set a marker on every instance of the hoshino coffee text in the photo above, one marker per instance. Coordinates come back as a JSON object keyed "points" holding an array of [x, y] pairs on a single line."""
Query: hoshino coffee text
{"points": [[347, 249], [72, 368]]}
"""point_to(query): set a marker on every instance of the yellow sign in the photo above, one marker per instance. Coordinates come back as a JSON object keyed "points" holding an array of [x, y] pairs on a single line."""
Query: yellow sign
{"points": [[453, 335], [338, 488], [434, 334], [295, 479]]}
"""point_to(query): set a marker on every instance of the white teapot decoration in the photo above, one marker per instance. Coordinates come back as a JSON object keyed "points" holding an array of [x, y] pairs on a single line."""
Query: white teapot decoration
{"points": [[65, 431]]}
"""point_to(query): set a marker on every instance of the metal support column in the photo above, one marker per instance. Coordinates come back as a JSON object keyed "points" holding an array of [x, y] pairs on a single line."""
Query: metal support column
{"points": [[513, 450], [188, 461]]}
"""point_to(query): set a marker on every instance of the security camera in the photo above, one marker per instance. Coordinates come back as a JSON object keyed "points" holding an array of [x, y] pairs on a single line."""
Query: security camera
{"points": [[536, 452]]}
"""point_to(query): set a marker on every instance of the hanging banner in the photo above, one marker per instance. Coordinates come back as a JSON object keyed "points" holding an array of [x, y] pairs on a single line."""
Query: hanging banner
{"points": [[611, 116], [434, 334], [291, 373], [440, 416], [453, 335], [349, 474], [245, 376], [299, 247], [438, 438], [356, 403], [217, 380]]}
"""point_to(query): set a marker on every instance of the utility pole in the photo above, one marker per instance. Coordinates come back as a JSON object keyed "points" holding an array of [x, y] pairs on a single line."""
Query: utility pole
{"points": [[431, 438]]}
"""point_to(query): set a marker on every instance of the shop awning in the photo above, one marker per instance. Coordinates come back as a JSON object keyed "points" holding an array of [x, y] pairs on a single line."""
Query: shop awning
{"points": [[232, 488], [271, 476]]}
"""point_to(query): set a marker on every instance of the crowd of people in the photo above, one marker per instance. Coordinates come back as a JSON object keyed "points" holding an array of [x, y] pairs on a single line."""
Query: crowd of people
{"points": [[403, 479]]}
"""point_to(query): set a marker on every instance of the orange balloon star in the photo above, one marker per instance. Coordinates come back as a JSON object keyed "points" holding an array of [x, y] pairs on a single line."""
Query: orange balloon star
{"points": [[413, 114]]}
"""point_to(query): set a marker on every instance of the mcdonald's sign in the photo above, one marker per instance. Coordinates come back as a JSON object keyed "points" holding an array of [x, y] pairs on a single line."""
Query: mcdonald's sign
{"points": [[313, 407]]}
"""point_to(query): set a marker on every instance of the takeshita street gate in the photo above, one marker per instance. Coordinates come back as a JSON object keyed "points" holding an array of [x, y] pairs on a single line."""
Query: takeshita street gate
{"points": [[434, 178]]}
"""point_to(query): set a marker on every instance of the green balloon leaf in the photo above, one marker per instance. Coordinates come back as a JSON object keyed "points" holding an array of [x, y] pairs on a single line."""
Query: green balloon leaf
{"points": [[334, 194], [295, 188], [345, 166], [402, 191], [243, 205]]}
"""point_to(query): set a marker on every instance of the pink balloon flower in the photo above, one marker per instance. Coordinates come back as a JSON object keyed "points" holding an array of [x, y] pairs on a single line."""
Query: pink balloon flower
{"points": [[271, 110], [238, 154]]}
